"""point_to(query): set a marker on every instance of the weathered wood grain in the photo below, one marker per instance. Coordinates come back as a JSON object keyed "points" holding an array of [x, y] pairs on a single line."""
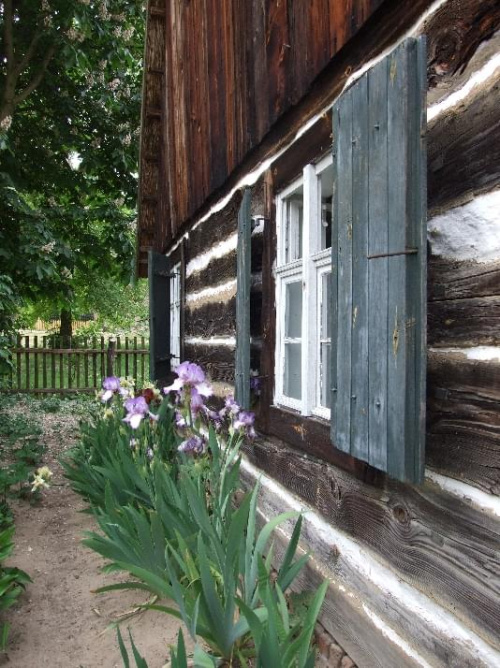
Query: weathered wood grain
{"points": [[218, 271], [465, 321], [464, 149], [219, 226], [453, 279], [436, 543], [463, 422], [455, 32], [219, 318], [350, 589]]}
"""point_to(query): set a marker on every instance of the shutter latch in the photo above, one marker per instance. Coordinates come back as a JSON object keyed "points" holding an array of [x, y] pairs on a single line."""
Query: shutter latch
{"points": [[408, 251]]}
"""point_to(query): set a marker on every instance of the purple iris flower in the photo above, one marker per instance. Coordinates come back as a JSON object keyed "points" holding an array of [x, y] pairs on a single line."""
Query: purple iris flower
{"points": [[180, 420], [193, 445], [244, 420], [230, 407], [190, 375], [137, 409], [196, 401], [111, 385], [255, 385]]}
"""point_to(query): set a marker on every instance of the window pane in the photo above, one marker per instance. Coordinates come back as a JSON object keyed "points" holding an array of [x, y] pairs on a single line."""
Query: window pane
{"points": [[294, 220], [326, 185], [325, 375], [326, 324], [325, 340], [293, 312], [293, 372]]}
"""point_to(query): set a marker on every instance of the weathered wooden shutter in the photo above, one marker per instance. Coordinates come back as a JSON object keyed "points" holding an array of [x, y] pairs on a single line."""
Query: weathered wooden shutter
{"points": [[243, 273], [159, 316], [379, 265]]}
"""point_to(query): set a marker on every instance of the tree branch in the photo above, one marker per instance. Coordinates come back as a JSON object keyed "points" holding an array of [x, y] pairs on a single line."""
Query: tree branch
{"points": [[37, 78], [29, 53], [8, 33]]}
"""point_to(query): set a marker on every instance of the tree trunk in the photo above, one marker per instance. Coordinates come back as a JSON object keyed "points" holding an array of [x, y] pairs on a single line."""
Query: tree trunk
{"points": [[66, 329]]}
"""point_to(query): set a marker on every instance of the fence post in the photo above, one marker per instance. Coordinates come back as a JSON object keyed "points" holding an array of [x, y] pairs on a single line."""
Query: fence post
{"points": [[110, 357]]}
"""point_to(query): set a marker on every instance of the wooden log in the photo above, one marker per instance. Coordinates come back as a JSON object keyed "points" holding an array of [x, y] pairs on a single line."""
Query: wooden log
{"points": [[454, 34], [220, 225], [220, 270], [463, 423], [467, 321], [361, 588], [464, 149], [219, 318], [36, 358], [436, 543], [451, 279]]}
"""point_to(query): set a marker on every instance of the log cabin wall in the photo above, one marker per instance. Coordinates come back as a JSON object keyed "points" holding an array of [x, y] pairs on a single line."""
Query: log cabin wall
{"points": [[413, 570]]}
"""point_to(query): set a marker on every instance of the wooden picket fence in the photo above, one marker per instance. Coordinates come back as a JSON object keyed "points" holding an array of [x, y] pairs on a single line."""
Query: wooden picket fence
{"points": [[57, 365]]}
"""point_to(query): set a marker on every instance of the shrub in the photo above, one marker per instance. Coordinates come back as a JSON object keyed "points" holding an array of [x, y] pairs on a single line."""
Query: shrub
{"points": [[161, 476]]}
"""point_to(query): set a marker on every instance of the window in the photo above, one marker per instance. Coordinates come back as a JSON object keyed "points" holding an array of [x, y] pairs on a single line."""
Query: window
{"points": [[303, 273], [175, 315]]}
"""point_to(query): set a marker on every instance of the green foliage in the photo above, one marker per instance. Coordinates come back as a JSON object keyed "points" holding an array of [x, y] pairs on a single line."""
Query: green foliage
{"points": [[20, 452], [12, 581], [170, 521], [69, 117]]}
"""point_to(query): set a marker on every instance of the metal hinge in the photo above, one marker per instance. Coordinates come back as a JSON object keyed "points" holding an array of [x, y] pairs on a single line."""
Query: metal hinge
{"points": [[408, 251]]}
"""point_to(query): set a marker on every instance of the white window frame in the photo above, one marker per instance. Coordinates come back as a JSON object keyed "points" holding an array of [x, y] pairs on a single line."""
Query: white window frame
{"points": [[314, 263], [175, 315]]}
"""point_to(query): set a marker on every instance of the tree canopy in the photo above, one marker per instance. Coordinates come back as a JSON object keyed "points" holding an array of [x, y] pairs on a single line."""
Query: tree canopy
{"points": [[70, 92]]}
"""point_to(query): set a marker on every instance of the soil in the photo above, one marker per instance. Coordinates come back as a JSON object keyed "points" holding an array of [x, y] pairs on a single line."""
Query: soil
{"points": [[58, 621]]}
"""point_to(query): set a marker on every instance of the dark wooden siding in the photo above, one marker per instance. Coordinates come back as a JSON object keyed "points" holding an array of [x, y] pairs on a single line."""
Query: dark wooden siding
{"points": [[232, 68]]}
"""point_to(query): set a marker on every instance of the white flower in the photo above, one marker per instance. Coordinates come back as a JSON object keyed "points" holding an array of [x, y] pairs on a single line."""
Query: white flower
{"points": [[127, 34], [117, 32], [45, 6], [72, 34], [127, 140], [113, 85], [6, 123]]}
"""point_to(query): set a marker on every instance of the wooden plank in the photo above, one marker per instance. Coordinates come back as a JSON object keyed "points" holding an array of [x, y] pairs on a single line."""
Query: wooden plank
{"points": [[432, 540], [18, 360], [85, 363], [469, 321], [464, 149], [351, 588], [397, 182], [44, 363], [119, 355], [242, 381], [343, 402], [417, 264], [452, 279], [127, 358], [35, 359], [143, 360], [463, 424], [27, 362], [53, 371], [378, 270], [219, 270], [134, 360], [102, 359], [360, 285], [94, 362], [60, 357]]}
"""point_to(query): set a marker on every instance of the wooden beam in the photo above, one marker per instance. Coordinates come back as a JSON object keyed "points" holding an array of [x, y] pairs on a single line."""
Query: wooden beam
{"points": [[435, 542]]}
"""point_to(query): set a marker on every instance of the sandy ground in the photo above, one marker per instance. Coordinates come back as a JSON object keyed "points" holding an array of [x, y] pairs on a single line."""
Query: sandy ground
{"points": [[58, 621]]}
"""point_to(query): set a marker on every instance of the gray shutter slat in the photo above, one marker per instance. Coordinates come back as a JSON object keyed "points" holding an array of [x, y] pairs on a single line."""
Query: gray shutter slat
{"points": [[380, 321], [398, 353], [159, 316], [344, 297], [242, 375], [359, 352], [378, 269], [335, 276], [418, 206]]}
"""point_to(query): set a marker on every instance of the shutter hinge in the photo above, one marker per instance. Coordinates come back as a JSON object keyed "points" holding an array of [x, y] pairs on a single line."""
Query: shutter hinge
{"points": [[408, 251]]}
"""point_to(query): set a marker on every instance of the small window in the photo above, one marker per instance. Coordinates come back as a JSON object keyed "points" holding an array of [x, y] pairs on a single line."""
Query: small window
{"points": [[303, 350]]}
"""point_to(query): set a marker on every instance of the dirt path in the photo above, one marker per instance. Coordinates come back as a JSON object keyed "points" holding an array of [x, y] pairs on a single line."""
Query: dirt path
{"points": [[58, 622]]}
